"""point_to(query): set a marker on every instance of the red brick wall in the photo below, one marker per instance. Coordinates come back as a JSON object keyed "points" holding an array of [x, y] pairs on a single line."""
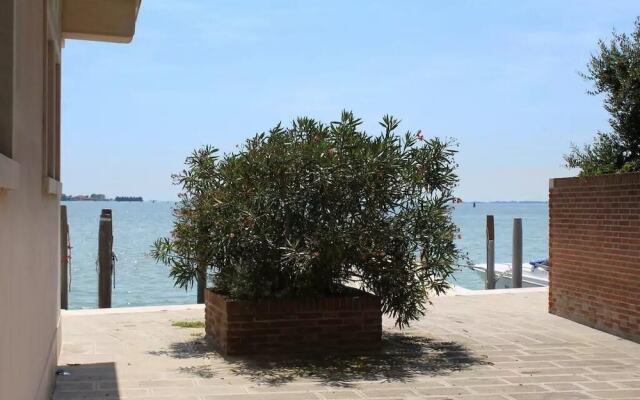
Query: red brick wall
{"points": [[594, 248], [308, 324]]}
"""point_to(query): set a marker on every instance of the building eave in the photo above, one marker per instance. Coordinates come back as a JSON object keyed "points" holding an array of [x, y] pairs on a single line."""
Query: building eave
{"points": [[100, 20]]}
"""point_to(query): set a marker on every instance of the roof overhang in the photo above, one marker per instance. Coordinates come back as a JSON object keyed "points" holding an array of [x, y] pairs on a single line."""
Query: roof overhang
{"points": [[100, 20]]}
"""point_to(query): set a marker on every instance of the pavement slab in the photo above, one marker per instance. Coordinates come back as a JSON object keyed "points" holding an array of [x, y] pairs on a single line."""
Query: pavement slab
{"points": [[503, 345]]}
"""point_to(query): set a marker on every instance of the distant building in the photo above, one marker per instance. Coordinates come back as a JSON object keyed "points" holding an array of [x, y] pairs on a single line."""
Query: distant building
{"points": [[84, 197], [128, 198]]}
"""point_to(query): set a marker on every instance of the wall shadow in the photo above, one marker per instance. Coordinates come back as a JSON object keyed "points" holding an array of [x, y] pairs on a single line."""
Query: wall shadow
{"points": [[400, 358], [78, 381]]}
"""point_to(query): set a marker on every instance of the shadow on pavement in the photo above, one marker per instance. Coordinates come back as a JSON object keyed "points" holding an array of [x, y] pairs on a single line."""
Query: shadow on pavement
{"points": [[400, 358], [74, 381]]}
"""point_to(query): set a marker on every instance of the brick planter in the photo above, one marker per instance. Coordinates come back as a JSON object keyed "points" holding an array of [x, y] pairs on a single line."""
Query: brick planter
{"points": [[293, 325]]}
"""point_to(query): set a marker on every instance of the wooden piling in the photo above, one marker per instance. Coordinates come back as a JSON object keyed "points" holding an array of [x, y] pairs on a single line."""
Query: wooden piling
{"points": [[201, 280], [516, 264], [201, 287], [105, 262], [490, 282], [64, 259]]}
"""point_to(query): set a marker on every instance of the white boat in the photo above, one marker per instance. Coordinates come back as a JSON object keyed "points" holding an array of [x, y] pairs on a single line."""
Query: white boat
{"points": [[533, 274]]}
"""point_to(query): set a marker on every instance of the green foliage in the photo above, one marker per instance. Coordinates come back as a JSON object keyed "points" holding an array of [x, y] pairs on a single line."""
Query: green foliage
{"points": [[188, 251], [615, 72], [606, 155], [310, 209], [188, 324]]}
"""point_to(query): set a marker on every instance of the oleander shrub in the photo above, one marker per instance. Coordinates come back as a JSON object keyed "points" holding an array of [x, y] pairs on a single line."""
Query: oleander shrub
{"points": [[315, 208]]}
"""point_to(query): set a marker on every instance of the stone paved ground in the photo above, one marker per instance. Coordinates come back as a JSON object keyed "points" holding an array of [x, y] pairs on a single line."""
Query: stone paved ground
{"points": [[498, 346]]}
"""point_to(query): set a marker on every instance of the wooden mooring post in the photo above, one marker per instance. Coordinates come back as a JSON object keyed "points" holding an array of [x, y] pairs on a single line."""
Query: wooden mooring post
{"points": [[201, 283], [490, 282], [105, 260], [516, 261], [64, 259]]}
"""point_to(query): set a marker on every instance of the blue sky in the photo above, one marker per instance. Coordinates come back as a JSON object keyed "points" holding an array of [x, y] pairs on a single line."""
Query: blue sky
{"points": [[499, 76]]}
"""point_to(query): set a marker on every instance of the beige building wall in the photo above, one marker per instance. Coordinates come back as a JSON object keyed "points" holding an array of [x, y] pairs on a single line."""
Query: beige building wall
{"points": [[29, 202], [31, 35]]}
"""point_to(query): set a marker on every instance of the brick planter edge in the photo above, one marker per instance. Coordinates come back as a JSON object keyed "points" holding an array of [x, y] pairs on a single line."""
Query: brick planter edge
{"points": [[314, 324]]}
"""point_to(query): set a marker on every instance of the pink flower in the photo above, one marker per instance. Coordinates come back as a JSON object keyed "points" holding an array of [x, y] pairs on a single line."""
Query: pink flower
{"points": [[419, 134]]}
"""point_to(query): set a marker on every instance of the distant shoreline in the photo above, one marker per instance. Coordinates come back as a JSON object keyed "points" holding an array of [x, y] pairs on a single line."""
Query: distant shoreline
{"points": [[175, 201], [108, 200], [510, 201], [100, 197]]}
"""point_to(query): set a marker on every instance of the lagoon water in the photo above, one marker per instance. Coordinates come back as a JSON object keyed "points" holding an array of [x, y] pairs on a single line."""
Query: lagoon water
{"points": [[140, 281]]}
